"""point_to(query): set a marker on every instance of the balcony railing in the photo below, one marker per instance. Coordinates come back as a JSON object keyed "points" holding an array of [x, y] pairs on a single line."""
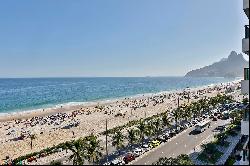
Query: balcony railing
{"points": [[246, 73], [246, 31], [246, 7], [246, 115], [245, 4]]}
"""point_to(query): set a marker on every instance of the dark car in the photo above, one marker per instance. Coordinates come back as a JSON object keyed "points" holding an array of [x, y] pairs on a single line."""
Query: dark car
{"points": [[128, 158], [220, 128], [172, 133], [219, 116], [214, 119], [162, 138]]}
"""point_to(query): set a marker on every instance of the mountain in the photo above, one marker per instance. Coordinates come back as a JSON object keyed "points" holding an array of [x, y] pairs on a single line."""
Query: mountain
{"points": [[226, 67]]}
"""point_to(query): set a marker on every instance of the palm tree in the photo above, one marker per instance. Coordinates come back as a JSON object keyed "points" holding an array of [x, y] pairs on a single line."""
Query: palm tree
{"points": [[132, 136], [213, 102], [176, 115], [183, 159], [204, 105], [166, 121], [142, 129], [245, 101], [233, 115], [186, 113], [117, 140], [196, 109], [79, 150], [209, 148], [32, 137], [93, 149], [199, 107], [158, 126], [150, 129]]}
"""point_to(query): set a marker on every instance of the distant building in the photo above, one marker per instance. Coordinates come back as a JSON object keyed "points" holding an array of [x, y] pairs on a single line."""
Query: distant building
{"points": [[245, 90]]}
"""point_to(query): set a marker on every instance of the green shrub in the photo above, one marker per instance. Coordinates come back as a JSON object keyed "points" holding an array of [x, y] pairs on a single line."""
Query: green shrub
{"points": [[56, 163], [230, 161]]}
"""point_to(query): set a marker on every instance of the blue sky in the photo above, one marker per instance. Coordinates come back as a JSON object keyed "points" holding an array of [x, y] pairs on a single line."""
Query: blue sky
{"points": [[46, 38]]}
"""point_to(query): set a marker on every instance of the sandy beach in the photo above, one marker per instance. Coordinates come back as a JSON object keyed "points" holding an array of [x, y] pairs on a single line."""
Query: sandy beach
{"points": [[57, 125]]}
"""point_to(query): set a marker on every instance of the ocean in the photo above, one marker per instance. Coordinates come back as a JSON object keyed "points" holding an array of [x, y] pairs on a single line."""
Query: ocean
{"points": [[23, 94]]}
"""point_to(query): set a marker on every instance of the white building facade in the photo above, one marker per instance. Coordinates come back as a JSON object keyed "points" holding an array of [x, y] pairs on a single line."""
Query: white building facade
{"points": [[245, 90]]}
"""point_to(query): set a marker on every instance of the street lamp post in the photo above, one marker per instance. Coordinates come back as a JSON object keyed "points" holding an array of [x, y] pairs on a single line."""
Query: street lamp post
{"points": [[107, 140]]}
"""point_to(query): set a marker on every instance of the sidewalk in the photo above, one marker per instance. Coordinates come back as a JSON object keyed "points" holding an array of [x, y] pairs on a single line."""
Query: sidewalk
{"points": [[226, 151], [198, 150], [233, 142]]}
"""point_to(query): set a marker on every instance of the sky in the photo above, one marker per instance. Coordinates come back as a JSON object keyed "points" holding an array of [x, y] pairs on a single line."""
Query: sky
{"points": [[78, 38]]}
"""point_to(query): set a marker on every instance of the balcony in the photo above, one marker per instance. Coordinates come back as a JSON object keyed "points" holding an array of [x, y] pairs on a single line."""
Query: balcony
{"points": [[245, 82], [246, 73], [245, 87], [246, 7], [244, 127], [245, 154], [245, 41]]}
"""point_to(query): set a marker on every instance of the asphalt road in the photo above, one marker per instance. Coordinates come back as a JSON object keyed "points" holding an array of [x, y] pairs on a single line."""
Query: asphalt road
{"points": [[183, 143]]}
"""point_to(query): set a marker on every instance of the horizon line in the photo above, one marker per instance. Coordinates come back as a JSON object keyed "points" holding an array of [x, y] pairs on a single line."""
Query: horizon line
{"points": [[91, 77]]}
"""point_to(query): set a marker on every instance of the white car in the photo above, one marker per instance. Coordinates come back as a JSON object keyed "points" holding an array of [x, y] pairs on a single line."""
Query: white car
{"points": [[137, 152], [187, 125], [108, 163], [145, 147], [117, 162]]}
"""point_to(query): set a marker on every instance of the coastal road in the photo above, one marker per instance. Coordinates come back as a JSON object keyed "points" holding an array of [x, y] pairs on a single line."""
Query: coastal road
{"points": [[183, 143]]}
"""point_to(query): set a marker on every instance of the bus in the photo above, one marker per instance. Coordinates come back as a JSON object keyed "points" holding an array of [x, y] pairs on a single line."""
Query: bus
{"points": [[202, 126]]}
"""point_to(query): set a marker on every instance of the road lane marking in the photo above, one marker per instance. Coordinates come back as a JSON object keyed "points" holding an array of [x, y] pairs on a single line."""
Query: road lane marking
{"points": [[153, 150]]}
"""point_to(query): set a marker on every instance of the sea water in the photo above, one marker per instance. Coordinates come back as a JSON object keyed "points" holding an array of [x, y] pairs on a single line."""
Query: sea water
{"points": [[21, 94]]}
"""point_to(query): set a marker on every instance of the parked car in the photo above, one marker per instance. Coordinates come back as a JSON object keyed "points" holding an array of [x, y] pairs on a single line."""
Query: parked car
{"points": [[161, 138], [117, 162], [166, 136], [220, 128], [128, 158], [154, 144], [108, 163], [194, 122], [190, 124], [137, 152], [145, 147], [172, 133], [211, 117], [187, 125], [182, 127], [214, 119], [200, 119]]}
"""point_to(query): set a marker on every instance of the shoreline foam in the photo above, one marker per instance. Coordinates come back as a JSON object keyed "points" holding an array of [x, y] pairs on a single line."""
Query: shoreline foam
{"points": [[109, 100], [70, 106]]}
